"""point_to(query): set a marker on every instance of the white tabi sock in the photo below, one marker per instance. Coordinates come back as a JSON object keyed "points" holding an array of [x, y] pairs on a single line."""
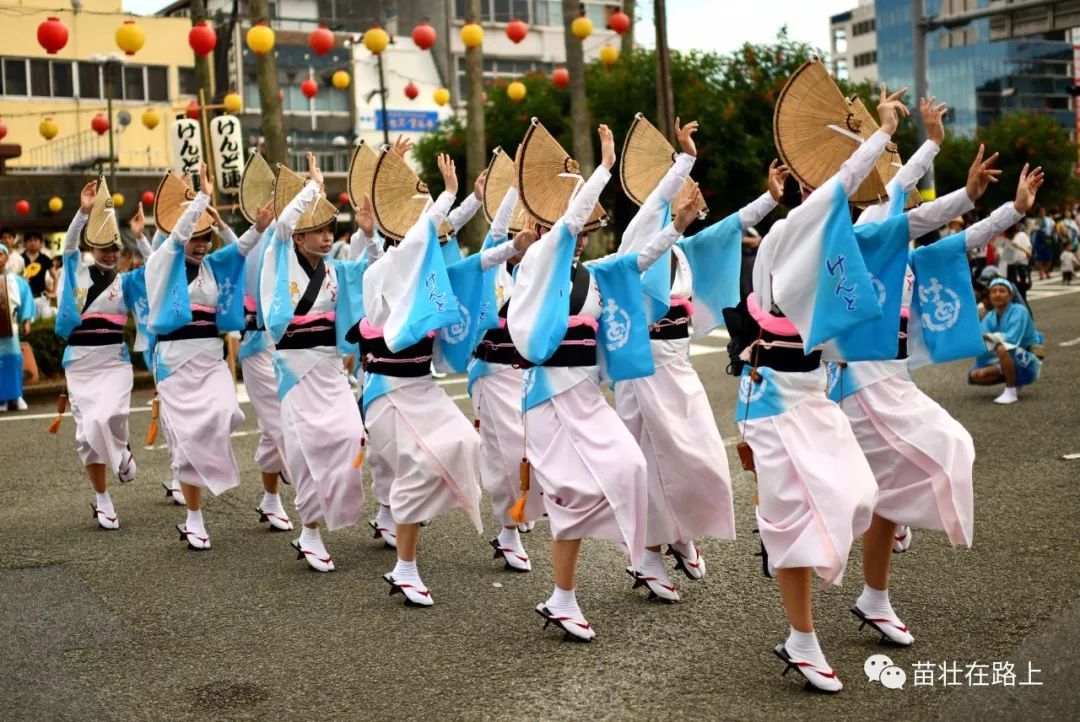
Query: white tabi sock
{"points": [[195, 523], [311, 540], [875, 603], [1008, 396], [272, 503], [803, 647], [104, 504], [511, 538], [564, 602], [652, 565], [384, 519], [406, 572]]}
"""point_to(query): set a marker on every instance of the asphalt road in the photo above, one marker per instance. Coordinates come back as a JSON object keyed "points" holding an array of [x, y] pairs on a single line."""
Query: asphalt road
{"points": [[129, 624]]}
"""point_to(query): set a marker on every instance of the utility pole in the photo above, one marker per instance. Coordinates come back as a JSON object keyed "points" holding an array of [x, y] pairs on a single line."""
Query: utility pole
{"points": [[919, 30], [475, 152], [579, 103], [273, 120], [665, 98]]}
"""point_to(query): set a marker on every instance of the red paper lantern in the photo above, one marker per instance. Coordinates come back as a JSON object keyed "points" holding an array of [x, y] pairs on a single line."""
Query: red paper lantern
{"points": [[321, 40], [22, 207], [202, 38], [52, 35], [411, 91], [3, 131], [343, 198], [619, 22], [309, 88], [147, 198], [516, 30], [100, 124], [192, 110], [560, 77], [423, 35]]}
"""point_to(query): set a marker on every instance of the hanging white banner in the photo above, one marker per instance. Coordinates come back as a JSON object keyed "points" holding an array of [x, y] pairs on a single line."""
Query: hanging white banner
{"points": [[186, 142], [227, 139]]}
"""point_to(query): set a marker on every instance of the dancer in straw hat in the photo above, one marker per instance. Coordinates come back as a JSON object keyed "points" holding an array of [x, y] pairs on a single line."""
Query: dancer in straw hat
{"points": [[308, 303], [195, 295], [428, 447], [93, 309], [567, 321], [807, 515]]}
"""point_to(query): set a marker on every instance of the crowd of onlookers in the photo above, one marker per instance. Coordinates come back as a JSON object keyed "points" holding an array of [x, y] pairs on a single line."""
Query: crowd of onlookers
{"points": [[1031, 249]]}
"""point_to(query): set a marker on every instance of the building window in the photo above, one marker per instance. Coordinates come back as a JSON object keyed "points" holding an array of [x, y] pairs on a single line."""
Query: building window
{"points": [[157, 83], [549, 12], [89, 80], [63, 79], [135, 83], [39, 78], [862, 27], [502, 11], [840, 69], [839, 40], [863, 59], [188, 85], [15, 76]]}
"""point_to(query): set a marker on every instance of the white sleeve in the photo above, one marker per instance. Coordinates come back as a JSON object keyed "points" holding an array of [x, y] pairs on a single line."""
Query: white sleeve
{"points": [[909, 174], [296, 208], [227, 235], [751, 215], [248, 241], [933, 215], [464, 212], [655, 248], [437, 211], [581, 207], [145, 249], [71, 238], [999, 221], [181, 233], [855, 169], [497, 255], [159, 239], [360, 242], [676, 175], [500, 224]]}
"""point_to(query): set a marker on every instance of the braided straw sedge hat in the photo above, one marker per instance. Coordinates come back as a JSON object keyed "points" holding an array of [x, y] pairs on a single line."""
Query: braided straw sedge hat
{"points": [[888, 163], [102, 230], [500, 176], [361, 172], [646, 157], [548, 178], [816, 129], [399, 197], [256, 186], [173, 197], [319, 214]]}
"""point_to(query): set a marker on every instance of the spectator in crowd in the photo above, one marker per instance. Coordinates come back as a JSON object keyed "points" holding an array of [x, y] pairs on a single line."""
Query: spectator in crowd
{"points": [[1042, 243], [55, 271], [35, 268], [1011, 341], [1015, 253], [1068, 265], [15, 259]]}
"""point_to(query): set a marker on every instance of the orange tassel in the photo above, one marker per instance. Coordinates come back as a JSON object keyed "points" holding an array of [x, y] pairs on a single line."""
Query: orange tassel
{"points": [[151, 433], [359, 457], [517, 511], [61, 407]]}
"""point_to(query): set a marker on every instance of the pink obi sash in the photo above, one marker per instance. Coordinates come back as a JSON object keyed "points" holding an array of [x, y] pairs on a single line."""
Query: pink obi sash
{"points": [[777, 325]]}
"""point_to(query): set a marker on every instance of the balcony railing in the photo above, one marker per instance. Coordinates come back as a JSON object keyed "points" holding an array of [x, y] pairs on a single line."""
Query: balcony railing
{"points": [[87, 150]]}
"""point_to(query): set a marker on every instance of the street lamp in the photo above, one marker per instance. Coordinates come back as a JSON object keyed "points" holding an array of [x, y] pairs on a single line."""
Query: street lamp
{"points": [[108, 62]]}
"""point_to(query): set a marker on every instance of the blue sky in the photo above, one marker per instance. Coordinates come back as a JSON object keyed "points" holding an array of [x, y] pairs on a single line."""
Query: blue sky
{"points": [[720, 25]]}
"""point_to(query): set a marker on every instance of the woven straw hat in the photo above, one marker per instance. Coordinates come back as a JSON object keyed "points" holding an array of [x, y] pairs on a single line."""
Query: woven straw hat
{"points": [[102, 230], [646, 157], [361, 172], [173, 196], [500, 176], [816, 129], [256, 186], [548, 178], [889, 162], [320, 213], [399, 197]]}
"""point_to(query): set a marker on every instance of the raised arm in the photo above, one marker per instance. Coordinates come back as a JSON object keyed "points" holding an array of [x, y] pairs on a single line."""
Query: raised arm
{"points": [[1008, 214], [500, 224], [468, 207], [137, 224], [661, 242], [582, 204], [252, 238], [933, 215], [86, 204], [855, 169], [297, 207], [915, 168], [185, 227]]}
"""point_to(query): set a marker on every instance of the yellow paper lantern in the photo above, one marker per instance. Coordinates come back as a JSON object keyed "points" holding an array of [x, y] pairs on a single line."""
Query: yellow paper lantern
{"points": [[441, 96], [55, 204], [48, 129], [581, 27], [130, 37], [516, 91], [260, 39], [117, 199], [472, 35], [340, 80], [150, 118], [609, 55], [233, 103], [376, 40]]}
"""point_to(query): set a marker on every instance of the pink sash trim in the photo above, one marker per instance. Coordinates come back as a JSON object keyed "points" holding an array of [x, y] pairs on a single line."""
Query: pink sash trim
{"points": [[118, 318], [589, 321], [249, 304], [777, 325], [905, 312], [367, 330], [204, 309], [324, 316], [684, 303]]}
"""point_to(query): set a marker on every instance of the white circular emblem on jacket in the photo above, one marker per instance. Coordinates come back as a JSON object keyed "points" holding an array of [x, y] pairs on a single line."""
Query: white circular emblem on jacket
{"points": [[456, 333], [617, 322], [941, 306]]}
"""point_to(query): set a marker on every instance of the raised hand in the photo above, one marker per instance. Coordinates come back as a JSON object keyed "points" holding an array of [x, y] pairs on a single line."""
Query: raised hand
{"points": [[981, 174], [607, 146], [264, 216], [221, 225], [402, 145], [365, 217], [933, 118], [890, 109], [87, 196], [478, 187], [449, 173], [524, 239], [313, 170], [138, 221], [685, 134], [1029, 185], [687, 209], [206, 181], [778, 174]]}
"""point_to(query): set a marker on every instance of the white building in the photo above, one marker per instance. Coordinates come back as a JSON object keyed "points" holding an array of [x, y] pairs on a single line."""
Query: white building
{"points": [[853, 41]]}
